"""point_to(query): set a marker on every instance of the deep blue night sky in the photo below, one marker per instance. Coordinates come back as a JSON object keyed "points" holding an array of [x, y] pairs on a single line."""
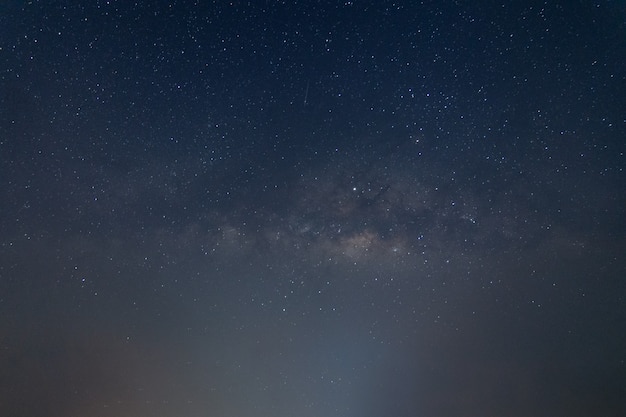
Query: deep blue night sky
{"points": [[299, 208]]}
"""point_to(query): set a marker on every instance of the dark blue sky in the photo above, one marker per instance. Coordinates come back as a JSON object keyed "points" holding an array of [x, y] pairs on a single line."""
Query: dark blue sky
{"points": [[312, 208]]}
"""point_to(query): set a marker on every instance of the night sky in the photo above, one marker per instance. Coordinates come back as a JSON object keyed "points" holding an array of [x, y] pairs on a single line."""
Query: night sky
{"points": [[312, 208]]}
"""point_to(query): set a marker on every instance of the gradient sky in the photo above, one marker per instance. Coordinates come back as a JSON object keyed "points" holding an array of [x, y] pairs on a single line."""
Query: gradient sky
{"points": [[312, 209]]}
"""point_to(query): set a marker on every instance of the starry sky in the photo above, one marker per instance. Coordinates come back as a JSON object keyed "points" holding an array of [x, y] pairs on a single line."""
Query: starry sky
{"points": [[312, 208]]}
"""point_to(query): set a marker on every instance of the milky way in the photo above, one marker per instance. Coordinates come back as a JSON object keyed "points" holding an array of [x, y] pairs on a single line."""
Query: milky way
{"points": [[342, 209]]}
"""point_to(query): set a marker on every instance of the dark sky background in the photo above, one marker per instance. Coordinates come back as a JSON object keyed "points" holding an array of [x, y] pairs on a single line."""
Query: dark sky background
{"points": [[312, 209]]}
